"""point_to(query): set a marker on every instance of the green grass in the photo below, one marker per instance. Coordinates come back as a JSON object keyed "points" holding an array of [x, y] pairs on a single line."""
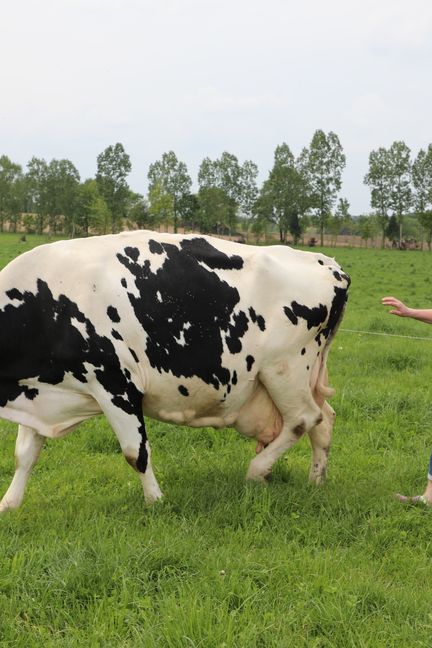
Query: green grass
{"points": [[224, 563]]}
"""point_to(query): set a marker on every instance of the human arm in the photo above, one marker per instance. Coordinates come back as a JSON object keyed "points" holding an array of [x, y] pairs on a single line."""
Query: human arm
{"points": [[400, 309]]}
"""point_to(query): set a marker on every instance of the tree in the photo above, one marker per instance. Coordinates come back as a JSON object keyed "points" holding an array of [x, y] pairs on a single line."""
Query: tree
{"points": [[11, 190], [379, 180], [238, 182], [392, 229], [62, 182], [172, 178], [113, 167], [248, 190], [284, 196], [422, 181], [161, 205], [367, 226], [322, 165], [138, 210], [340, 219], [87, 197], [215, 210], [400, 182], [188, 206], [36, 181]]}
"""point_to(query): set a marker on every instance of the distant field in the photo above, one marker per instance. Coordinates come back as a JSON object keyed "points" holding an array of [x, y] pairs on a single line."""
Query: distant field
{"points": [[221, 563]]}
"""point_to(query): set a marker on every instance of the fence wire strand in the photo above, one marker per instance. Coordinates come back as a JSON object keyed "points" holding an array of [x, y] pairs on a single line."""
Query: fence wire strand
{"points": [[396, 335]]}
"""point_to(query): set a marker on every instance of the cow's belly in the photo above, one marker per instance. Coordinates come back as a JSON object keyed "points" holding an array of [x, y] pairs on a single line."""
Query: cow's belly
{"points": [[202, 406]]}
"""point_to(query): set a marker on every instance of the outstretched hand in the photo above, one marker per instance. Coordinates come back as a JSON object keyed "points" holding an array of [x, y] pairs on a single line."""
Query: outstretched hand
{"points": [[398, 307]]}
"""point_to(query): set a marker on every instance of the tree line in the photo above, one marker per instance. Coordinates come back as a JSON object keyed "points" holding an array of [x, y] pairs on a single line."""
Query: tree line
{"points": [[297, 193]]}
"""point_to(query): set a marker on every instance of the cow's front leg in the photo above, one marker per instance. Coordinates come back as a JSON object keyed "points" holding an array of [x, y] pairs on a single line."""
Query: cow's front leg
{"points": [[320, 438], [128, 425], [27, 448]]}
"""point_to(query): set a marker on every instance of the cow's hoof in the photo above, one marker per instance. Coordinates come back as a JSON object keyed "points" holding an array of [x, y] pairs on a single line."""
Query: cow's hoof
{"points": [[7, 506], [317, 479], [255, 476], [151, 498]]}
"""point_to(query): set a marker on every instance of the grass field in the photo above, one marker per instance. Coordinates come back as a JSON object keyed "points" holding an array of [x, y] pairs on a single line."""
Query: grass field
{"points": [[221, 563]]}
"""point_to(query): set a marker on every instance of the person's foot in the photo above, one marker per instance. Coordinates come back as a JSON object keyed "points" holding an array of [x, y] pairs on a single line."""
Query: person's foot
{"points": [[416, 499]]}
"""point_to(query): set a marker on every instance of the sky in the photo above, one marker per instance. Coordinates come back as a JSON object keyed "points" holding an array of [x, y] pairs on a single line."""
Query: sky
{"points": [[200, 77]]}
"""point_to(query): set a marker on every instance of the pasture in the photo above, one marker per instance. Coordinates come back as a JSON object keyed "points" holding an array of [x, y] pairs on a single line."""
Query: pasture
{"points": [[221, 563]]}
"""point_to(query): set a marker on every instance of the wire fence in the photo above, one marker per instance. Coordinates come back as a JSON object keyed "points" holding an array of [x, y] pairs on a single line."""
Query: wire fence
{"points": [[396, 335]]}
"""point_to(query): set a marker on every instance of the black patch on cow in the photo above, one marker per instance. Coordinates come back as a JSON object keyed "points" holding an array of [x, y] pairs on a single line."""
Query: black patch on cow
{"points": [[132, 252], [288, 312], [320, 262], [112, 313], [236, 331], [30, 392], [155, 247], [234, 378], [229, 389], [39, 340], [14, 293], [183, 390], [191, 293], [336, 311], [347, 278], [116, 335], [313, 316], [299, 430], [123, 282], [303, 351], [257, 319], [134, 355], [202, 251], [249, 362], [127, 373], [307, 368], [336, 275]]}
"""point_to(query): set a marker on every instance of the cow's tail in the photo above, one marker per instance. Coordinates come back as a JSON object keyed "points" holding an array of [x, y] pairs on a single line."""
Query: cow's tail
{"points": [[322, 390]]}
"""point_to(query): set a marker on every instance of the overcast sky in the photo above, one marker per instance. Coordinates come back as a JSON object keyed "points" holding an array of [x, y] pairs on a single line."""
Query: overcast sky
{"points": [[200, 77]]}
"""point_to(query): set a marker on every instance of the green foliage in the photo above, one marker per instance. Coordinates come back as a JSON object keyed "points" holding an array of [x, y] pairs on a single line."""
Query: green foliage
{"points": [[168, 177], [321, 166], [378, 179], [400, 176], [113, 167], [392, 229], [236, 182], [285, 195], [161, 205], [389, 178], [11, 191], [215, 210], [422, 181]]}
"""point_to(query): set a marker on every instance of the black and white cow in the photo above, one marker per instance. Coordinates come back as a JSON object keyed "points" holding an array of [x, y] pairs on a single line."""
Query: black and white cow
{"points": [[186, 329]]}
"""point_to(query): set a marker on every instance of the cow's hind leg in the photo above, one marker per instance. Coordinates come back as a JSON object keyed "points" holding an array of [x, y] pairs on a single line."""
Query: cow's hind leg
{"points": [[27, 449], [320, 438], [299, 414], [128, 425]]}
